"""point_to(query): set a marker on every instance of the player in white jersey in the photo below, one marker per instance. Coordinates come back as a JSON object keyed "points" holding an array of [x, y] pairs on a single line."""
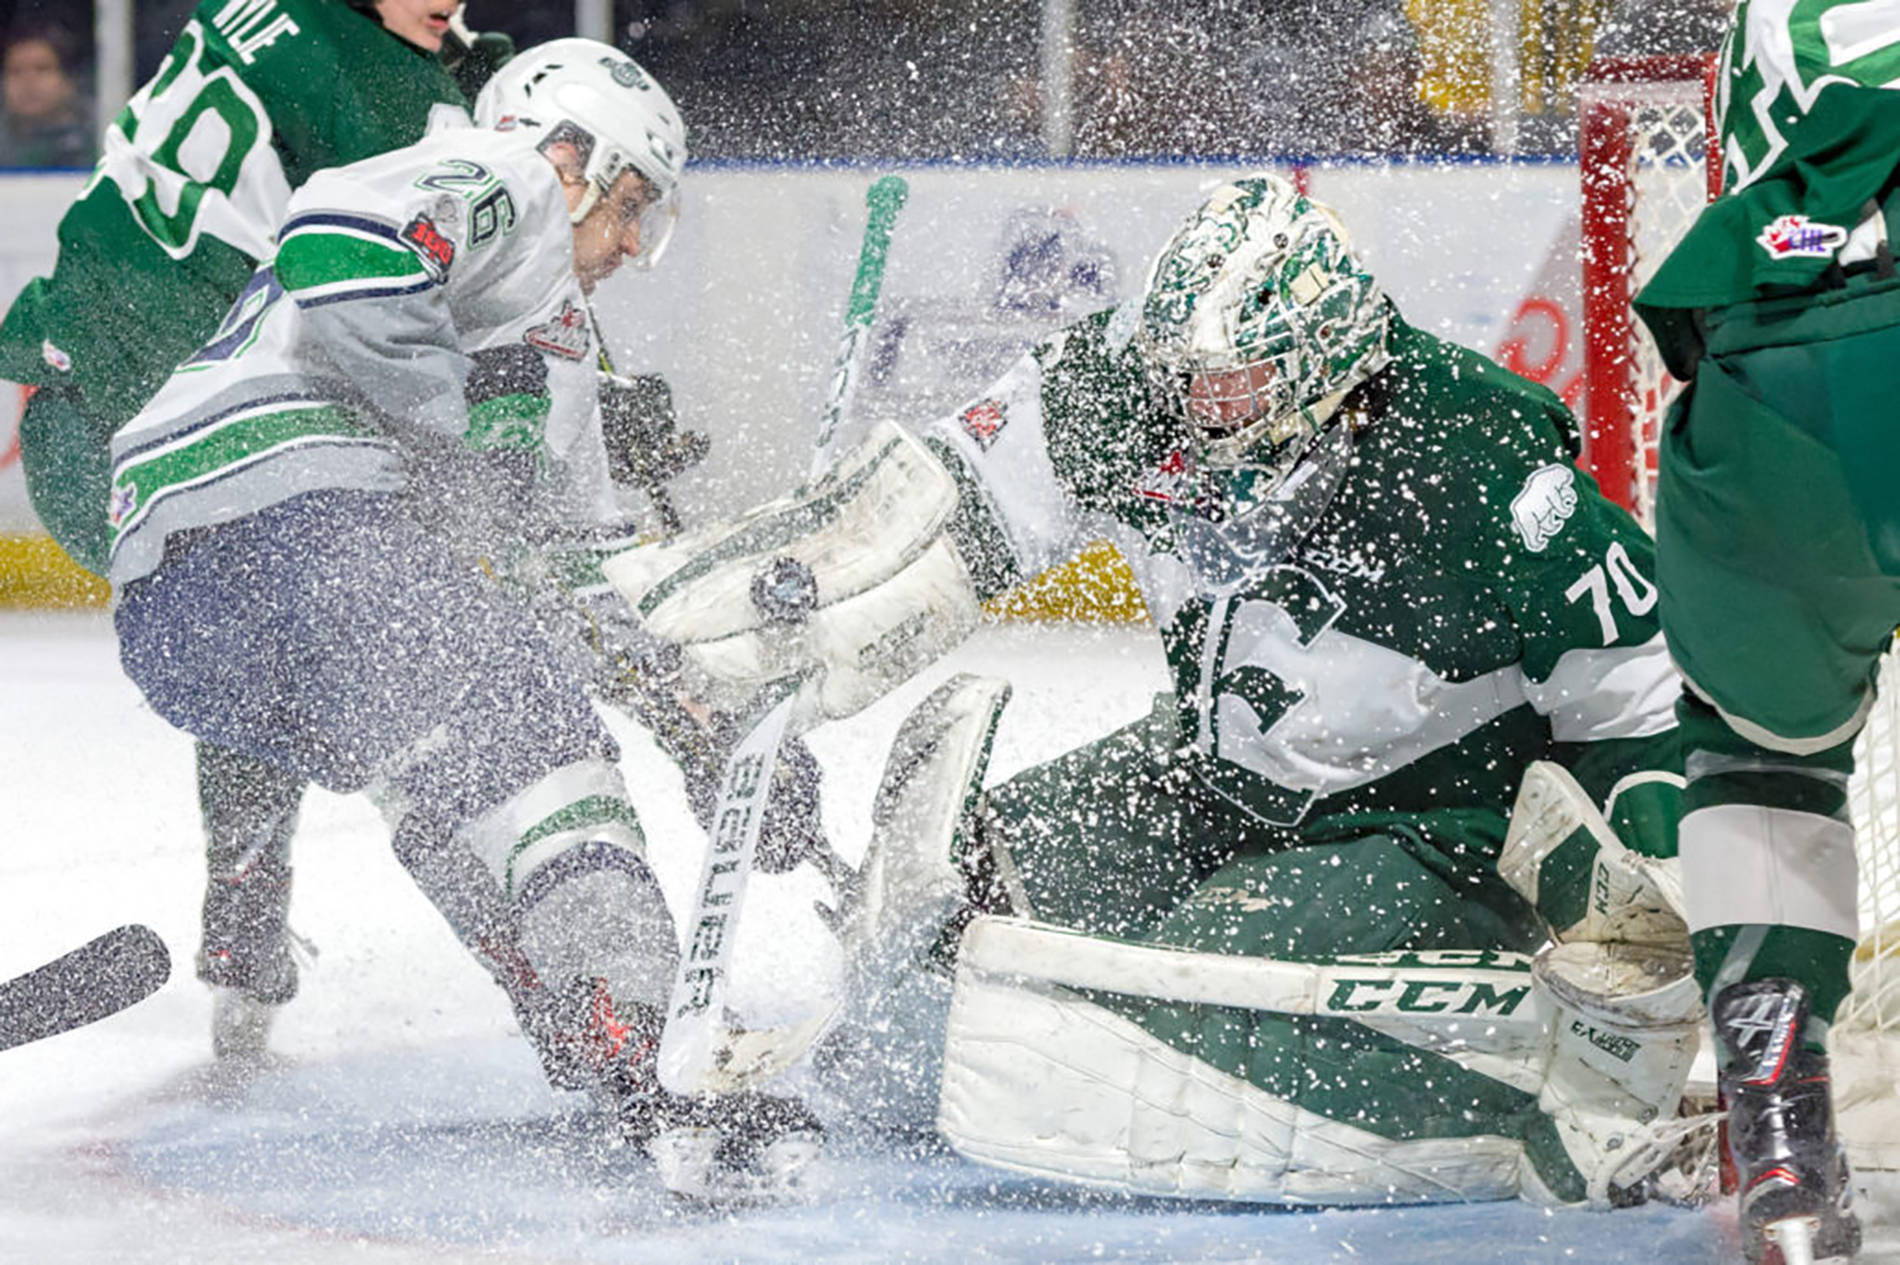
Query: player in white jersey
{"points": [[405, 390], [1275, 941]]}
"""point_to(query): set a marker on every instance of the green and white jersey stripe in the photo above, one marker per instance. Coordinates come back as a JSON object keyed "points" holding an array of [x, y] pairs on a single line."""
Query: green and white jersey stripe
{"points": [[224, 446], [324, 257], [342, 362]]}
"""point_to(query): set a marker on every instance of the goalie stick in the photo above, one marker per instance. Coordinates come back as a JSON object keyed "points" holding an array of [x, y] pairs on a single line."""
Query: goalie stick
{"points": [[99, 978], [695, 1013]]}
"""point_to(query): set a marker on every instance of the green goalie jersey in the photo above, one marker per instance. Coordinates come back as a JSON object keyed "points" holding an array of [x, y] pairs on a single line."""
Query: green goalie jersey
{"points": [[1430, 601], [1810, 136], [195, 174]]}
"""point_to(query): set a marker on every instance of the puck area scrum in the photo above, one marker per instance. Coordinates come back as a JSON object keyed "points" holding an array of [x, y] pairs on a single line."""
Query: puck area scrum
{"points": [[1285, 938], [1378, 902]]}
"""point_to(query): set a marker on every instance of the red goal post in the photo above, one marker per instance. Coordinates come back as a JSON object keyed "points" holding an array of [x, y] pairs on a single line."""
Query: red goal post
{"points": [[1645, 129], [1644, 125]]}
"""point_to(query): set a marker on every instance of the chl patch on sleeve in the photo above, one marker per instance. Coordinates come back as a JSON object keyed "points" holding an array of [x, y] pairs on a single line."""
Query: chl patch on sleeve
{"points": [[566, 335], [1543, 505], [1798, 237], [984, 422]]}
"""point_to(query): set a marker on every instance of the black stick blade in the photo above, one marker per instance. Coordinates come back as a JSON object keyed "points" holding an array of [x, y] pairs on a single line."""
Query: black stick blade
{"points": [[100, 978]]}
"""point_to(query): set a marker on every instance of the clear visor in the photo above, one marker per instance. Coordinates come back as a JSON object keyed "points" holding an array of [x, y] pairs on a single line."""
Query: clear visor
{"points": [[644, 206], [657, 221], [643, 203]]}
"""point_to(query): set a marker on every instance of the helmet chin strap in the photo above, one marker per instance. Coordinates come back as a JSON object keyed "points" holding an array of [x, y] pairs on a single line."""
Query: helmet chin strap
{"points": [[585, 205]]}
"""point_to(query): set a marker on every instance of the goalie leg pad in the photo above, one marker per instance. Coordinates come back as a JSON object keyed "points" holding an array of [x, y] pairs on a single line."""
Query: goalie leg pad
{"points": [[1040, 1079], [911, 879], [1562, 856], [912, 885]]}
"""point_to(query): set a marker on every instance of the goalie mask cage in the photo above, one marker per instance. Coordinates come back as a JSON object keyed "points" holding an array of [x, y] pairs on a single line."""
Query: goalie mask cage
{"points": [[1645, 133]]}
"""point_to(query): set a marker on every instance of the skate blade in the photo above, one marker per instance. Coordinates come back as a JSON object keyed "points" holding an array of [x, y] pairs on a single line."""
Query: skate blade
{"points": [[687, 1160], [240, 1026], [1793, 1239]]}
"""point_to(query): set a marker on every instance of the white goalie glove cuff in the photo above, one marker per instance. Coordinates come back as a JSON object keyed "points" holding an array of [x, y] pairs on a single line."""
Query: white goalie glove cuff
{"points": [[1563, 856], [1625, 1026], [850, 582]]}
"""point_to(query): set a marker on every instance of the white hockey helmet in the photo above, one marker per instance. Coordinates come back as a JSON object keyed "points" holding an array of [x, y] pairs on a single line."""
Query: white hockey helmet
{"points": [[1258, 321], [612, 110]]}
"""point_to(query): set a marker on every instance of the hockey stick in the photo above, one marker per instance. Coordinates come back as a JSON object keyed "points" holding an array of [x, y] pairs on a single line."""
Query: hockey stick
{"points": [[100, 978], [695, 1014]]}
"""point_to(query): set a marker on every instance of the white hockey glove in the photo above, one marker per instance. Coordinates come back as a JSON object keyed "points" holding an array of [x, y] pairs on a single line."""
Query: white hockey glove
{"points": [[850, 583], [1625, 1024], [1562, 855]]}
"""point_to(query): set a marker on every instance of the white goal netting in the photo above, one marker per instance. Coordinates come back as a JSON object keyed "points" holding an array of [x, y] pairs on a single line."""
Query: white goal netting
{"points": [[1644, 141]]}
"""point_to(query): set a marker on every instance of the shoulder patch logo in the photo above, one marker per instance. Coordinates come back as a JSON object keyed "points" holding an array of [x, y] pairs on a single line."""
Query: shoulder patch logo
{"points": [[566, 335], [54, 357], [984, 422], [626, 73], [1798, 237], [431, 243], [1543, 505]]}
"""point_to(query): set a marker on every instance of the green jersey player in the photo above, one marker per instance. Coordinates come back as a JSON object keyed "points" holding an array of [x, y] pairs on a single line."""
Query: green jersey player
{"points": [[194, 178], [1778, 536], [1387, 599]]}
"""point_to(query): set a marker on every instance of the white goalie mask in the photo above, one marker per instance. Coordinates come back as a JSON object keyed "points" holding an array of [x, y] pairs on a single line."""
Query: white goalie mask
{"points": [[1257, 320], [600, 100]]}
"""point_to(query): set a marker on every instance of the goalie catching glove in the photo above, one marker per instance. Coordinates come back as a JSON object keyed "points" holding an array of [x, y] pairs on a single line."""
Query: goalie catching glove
{"points": [[849, 582]]}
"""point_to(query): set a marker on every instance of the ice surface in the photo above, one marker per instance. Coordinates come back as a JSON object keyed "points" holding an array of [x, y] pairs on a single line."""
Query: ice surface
{"points": [[403, 1123]]}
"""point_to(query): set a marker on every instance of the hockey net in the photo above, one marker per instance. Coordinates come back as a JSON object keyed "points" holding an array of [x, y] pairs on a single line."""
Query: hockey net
{"points": [[1644, 142]]}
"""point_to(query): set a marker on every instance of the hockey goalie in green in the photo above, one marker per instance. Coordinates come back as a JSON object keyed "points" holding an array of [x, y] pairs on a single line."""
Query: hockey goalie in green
{"points": [[1285, 939]]}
